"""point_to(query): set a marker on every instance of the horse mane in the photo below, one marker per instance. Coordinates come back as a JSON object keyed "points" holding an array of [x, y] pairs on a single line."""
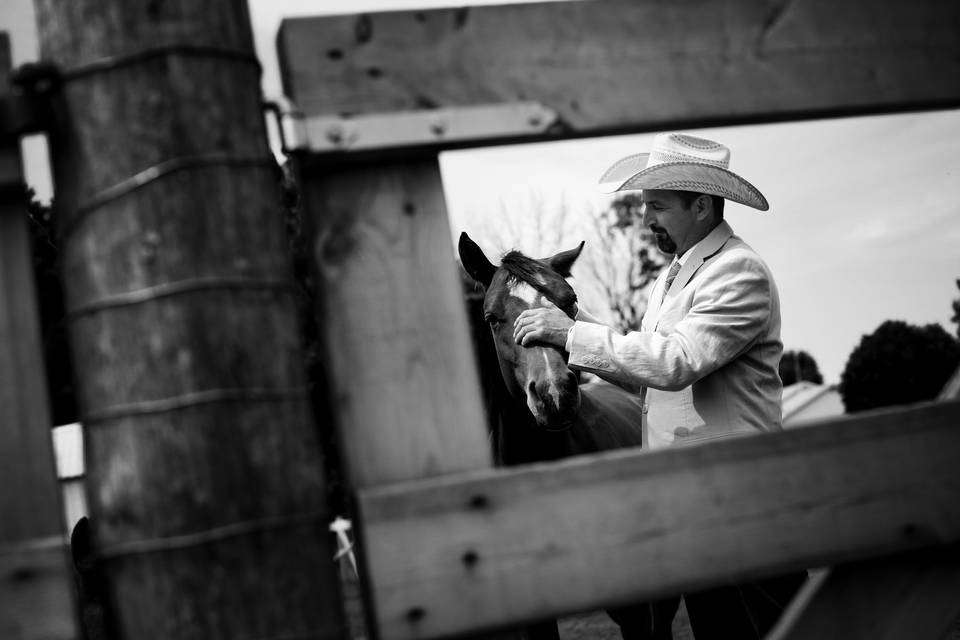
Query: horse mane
{"points": [[539, 275]]}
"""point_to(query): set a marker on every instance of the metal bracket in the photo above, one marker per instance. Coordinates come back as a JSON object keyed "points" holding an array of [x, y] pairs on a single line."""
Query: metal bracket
{"points": [[323, 134], [287, 119]]}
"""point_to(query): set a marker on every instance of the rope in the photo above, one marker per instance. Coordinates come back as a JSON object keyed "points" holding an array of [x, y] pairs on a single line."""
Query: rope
{"points": [[340, 526]]}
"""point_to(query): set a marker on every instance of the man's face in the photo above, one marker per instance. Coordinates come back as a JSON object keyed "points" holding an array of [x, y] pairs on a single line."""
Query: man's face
{"points": [[671, 221]]}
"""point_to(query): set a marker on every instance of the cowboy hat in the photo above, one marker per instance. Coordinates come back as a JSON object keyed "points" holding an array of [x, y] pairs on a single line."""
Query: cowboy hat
{"points": [[681, 162]]}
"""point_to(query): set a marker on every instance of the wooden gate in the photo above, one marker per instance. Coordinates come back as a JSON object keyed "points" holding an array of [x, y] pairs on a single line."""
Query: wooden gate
{"points": [[450, 545]]}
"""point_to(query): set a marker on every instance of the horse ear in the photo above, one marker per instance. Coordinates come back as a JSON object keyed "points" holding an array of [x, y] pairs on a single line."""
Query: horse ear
{"points": [[474, 261], [563, 261]]}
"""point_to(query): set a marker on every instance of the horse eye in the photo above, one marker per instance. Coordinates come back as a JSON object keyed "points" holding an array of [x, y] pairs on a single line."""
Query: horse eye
{"points": [[492, 320]]}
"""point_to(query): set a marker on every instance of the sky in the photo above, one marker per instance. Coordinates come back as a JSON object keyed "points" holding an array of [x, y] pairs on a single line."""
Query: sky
{"points": [[864, 224]]}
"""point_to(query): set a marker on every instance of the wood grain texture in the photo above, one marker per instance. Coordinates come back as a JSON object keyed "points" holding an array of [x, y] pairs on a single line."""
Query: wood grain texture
{"points": [[910, 595], [405, 383], [489, 549], [204, 471], [37, 594], [36, 584], [624, 65]]}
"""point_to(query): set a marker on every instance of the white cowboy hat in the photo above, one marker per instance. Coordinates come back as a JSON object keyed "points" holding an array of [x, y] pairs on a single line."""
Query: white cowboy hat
{"points": [[681, 162]]}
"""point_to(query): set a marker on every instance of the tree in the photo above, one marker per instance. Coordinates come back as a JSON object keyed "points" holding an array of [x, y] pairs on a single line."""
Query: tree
{"points": [[899, 363], [627, 261], [799, 365], [543, 228]]}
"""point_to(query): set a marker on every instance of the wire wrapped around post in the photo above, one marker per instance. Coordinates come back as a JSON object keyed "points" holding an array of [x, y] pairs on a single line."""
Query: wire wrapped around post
{"points": [[152, 174], [205, 477]]}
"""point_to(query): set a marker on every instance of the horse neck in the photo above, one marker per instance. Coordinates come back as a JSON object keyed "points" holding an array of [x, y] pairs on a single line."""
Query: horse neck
{"points": [[609, 418]]}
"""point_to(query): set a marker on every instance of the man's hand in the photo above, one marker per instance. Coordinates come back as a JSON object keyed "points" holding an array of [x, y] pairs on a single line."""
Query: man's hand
{"points": [[544, 325]]}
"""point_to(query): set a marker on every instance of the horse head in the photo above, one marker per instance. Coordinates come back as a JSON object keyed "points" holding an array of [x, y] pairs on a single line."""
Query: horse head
{"points": [[535, 375]]}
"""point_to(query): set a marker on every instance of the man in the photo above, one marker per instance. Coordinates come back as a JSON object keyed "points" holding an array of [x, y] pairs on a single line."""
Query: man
{"points": [[706, 357]]}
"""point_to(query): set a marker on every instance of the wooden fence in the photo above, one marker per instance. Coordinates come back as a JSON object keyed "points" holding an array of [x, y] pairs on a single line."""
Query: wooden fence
{"points": [[449, 545], [452, 546]]}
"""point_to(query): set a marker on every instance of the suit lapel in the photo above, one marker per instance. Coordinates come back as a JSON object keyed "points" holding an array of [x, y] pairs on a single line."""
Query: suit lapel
{"points": [[707, 248]]}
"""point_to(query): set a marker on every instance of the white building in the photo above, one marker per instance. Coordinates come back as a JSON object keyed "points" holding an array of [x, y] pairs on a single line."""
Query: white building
{"points": [[805, 401]]}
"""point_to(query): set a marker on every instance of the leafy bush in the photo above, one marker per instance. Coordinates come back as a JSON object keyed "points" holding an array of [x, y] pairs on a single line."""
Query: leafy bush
{"points": [[799, 365], [899, 363]]}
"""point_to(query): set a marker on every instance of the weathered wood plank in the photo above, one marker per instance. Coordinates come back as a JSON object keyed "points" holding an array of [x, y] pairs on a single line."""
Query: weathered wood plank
{"points": [[919, 590], [405, 388], [622, 65], [911, 595], [36, 583], [36, 591], [488, 549]]}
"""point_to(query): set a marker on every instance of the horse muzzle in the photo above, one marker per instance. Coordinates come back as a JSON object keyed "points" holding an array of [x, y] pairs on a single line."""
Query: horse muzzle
{"points": [[554, 403]]}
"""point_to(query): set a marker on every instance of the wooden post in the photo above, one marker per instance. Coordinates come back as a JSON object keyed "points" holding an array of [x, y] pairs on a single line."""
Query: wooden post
{"points": [[35, 579], [404, 384], [205, 483]]}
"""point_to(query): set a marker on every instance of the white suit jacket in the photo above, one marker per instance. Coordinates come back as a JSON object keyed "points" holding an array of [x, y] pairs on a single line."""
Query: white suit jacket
{"points": [[707, 359]]}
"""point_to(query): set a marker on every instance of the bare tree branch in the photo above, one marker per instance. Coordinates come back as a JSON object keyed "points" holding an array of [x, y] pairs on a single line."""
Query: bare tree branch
{"points": [[625, 266]]}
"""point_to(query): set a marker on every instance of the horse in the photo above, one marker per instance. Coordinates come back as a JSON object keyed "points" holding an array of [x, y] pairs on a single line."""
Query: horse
{"points": [[539, 409]]}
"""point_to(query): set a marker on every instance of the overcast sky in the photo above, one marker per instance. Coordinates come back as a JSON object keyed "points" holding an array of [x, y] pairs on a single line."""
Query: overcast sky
{"points": [[864, 223]]}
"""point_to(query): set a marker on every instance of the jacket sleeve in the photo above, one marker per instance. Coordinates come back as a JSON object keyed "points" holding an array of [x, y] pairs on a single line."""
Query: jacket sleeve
{"points": [[730, 310], [586, 316]]}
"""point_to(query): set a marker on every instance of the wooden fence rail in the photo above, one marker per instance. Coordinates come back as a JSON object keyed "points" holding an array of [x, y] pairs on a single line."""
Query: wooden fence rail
{"points": [[616, 66], [491, 548], [911, 595]]}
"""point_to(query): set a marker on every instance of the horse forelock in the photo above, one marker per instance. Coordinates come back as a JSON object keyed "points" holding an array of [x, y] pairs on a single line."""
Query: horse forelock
{"points": [[541, 277]]}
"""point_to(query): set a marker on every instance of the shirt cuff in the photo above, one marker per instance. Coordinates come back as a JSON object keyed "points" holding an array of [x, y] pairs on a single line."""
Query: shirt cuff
{"points": [[569, 343]]}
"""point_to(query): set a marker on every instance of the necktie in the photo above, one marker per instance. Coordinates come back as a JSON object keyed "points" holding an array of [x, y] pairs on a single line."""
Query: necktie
{"points": [[671, 276]]}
